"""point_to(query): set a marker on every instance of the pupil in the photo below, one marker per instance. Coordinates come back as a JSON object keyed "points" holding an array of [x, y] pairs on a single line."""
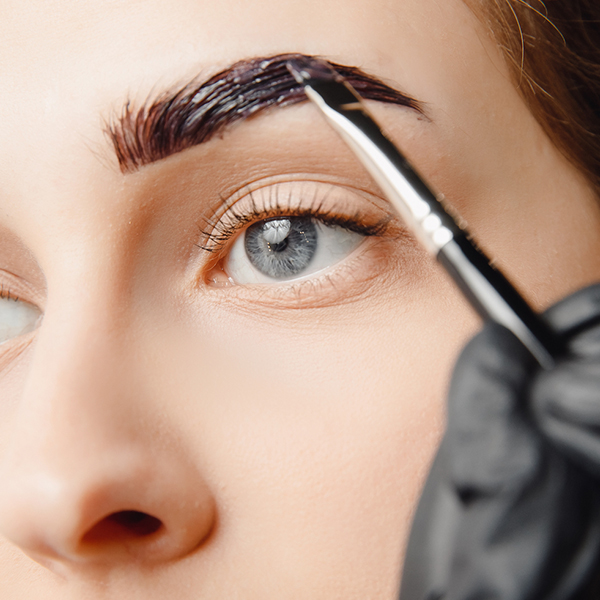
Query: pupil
{"points": [[281, 248]]}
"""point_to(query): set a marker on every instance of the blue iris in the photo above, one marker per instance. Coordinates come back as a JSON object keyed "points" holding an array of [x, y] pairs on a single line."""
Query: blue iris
{"points": [[281, 248]]}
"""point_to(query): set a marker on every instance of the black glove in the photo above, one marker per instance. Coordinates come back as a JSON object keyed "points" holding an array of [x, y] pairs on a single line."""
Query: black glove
{"points": [[511, 508]]}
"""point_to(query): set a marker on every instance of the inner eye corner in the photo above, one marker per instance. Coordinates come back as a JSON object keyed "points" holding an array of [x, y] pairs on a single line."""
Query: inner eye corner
{"points": [[19, 320]]}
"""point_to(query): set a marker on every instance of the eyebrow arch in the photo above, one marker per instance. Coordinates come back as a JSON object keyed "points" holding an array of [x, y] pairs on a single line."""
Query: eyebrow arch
{"points": [[179, 119]]}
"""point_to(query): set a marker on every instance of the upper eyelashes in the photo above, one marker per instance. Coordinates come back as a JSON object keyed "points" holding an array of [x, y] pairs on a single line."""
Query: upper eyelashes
{"points": [[332, 205], [288, 231]]}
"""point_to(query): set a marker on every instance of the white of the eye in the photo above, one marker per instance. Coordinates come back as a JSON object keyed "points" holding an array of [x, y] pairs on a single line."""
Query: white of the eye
{"points": [[333, 245], [16, 318]]}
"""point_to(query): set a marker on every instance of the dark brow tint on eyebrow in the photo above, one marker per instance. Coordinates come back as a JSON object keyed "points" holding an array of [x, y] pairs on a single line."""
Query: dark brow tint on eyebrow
{"points": [[180, 119]]}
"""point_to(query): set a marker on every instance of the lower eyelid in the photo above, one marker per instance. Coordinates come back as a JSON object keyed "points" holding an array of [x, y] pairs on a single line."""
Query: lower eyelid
{"points": [[349, 280], [10, 351]]}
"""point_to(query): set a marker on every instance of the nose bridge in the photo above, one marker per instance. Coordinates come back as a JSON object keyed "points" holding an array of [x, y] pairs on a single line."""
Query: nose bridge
{"points": [[76, 411], [78, 374], [83, 387], [87, 473]]}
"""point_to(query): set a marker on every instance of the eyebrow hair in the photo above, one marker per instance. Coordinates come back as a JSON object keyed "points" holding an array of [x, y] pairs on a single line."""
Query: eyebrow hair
{"points": [[177, 120]]}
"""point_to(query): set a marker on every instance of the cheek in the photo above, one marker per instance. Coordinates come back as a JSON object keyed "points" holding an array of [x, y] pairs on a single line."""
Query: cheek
{"points": [[317, 428]]}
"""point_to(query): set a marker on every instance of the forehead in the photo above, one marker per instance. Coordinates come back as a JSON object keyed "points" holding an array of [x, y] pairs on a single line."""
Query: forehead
{"points": [[200, 25], [67, 65], [95, 53]]}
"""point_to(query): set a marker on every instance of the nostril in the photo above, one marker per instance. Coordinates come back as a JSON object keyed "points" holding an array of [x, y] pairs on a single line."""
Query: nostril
{"points": [[138, 523], [122, 526]]}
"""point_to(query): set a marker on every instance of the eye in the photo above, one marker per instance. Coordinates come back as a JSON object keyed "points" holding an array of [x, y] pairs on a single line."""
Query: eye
{"points": [[16, 318], [287, 248]]}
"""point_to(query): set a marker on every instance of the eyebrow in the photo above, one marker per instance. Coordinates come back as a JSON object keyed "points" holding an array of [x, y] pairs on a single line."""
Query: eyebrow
{"points": [[180, 119]]}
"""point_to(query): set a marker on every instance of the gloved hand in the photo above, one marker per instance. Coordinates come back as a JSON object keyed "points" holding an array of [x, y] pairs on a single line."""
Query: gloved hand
{"points": [[511, 508]]}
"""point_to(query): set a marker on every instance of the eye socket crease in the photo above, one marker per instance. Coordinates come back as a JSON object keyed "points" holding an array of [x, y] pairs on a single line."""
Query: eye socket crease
{"points": [[182, 118]]}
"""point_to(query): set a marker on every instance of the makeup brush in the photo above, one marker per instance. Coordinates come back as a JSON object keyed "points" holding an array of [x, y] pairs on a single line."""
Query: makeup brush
{"points": [[486, 288]]}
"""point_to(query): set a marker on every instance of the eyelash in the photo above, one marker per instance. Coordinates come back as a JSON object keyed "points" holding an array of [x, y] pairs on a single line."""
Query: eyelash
{"points": [[6, 294], [218, 233], [386, 252]]}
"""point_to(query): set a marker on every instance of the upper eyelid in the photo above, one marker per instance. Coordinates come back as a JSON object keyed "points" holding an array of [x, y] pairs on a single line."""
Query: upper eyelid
{"points": [[229, 201], [300, 177]]}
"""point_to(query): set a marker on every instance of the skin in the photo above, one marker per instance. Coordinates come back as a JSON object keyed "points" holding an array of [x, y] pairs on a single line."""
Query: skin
{"points": [[281, 437]]}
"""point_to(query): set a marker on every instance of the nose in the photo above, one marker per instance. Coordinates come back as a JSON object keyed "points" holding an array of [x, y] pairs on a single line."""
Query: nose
{"points": [[93, 471]]}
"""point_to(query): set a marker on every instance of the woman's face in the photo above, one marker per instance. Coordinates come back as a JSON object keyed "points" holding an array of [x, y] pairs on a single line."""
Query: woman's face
{"points": [[173, 429]]}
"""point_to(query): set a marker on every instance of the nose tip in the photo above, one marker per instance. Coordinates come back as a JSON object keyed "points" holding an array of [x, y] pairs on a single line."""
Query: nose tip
{"points": [[95, 470], [139, 515]]}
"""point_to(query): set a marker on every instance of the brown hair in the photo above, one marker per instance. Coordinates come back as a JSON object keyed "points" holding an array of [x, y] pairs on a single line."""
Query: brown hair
{"points": [[553, 51]]}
